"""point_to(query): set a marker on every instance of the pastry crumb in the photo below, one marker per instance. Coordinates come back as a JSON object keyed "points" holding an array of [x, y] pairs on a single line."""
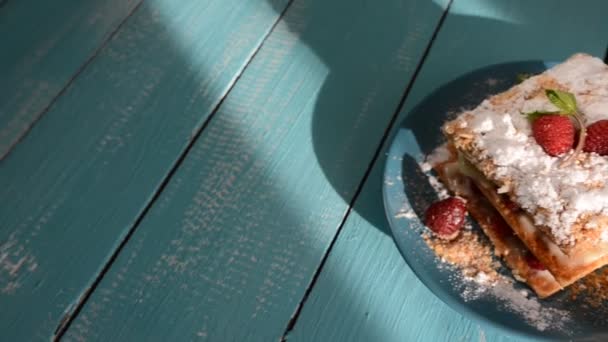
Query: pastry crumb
{"points": [[468, 252]]}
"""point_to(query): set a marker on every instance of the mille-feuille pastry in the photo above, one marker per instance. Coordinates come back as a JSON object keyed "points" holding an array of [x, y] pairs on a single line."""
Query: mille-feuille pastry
{"points": [[538, 153], [507, 246]]}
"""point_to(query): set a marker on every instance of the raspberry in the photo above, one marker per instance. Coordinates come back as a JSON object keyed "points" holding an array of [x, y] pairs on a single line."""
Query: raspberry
{"points": [[446, 217], [534, 263], [554, 133], [597, 138]]}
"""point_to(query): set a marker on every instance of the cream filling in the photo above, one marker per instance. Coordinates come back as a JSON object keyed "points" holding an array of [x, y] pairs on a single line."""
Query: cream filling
{"points": [[510, 248], [527, 224]]}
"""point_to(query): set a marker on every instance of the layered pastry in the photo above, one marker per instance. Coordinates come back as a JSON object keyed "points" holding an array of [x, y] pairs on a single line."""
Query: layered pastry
{"points": [[532, 164]]}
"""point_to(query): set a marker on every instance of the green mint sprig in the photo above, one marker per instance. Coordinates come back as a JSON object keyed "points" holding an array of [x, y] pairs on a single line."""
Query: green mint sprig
{"points": [[562, 100]]}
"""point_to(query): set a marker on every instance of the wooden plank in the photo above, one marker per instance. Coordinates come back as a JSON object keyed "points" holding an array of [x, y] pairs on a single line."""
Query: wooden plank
{"points": [[77, 183], [44, 45], [366, 292], [229, 248]]}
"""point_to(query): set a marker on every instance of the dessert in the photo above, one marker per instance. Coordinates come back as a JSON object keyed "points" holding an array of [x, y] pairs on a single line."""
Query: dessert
{"points": [[532, 165]]}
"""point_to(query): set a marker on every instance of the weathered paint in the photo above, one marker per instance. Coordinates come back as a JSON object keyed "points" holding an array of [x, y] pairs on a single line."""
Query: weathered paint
{"points": [[366, 292], [231, 245], [76, 184], [44, 46]]}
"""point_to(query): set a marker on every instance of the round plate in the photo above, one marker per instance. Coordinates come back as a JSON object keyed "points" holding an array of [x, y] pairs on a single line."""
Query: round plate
{"points": [[407, 188]]}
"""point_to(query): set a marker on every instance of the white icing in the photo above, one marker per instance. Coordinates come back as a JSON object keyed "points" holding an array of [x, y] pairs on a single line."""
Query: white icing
{"points": [[504, 136]]}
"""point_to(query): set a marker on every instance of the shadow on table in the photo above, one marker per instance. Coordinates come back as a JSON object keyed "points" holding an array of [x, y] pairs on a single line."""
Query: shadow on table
{"points": [[363, 88], [273, 250], [349, 120]]}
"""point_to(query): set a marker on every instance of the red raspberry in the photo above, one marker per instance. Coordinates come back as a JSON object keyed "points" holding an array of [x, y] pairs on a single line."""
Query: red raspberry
{"points": [[534, 263], [446, 217], [554, 133], [597, 138]]}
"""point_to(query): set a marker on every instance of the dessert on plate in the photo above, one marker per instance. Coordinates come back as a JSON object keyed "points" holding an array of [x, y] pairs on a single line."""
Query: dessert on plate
{"points": [[531, 166]]}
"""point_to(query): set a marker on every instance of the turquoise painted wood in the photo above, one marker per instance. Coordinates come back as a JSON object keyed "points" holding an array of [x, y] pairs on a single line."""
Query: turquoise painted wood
{"points": [[73, 188], [44, 44], [366, 292], [229, 248]]}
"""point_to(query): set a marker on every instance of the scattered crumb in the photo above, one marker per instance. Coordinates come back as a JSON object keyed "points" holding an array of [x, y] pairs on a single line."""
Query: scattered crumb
{"points": [[469, 253], [479, 277], [592, 289], [492, 82]]}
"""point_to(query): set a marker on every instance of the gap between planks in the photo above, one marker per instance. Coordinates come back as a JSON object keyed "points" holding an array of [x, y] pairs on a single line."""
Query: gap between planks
{"points": [[71, 80], [73, 311], [294, 318], [65, 320]]}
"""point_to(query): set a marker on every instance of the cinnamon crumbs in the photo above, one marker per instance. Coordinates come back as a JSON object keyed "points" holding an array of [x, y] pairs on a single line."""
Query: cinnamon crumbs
{"points": [[467, 252], [592, 289]]}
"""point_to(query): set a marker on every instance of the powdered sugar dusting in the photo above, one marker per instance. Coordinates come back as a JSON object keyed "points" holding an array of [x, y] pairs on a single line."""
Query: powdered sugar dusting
{"points": [[478, 277], [518, 301], [439, 155], [406, 214], [442, 191], [556, 197], [604, 236]]}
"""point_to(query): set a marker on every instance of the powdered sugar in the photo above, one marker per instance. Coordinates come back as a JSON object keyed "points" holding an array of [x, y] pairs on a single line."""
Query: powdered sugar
{"points": [[512, 299], [478, 278], [555, 196], [439, 155], [406, 214], [440, 189], [475, 284], [604, 236], [529, 308]]}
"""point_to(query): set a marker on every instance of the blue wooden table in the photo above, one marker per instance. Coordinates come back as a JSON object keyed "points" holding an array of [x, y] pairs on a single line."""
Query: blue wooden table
{"points": [[211, 169]]}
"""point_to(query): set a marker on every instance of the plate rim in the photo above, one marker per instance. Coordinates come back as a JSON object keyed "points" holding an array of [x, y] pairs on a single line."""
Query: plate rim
{"points": [[443, 296]]}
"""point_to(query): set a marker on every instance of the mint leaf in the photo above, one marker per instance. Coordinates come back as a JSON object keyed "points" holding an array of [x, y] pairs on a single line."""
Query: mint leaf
{"points": [[562, 100], [537, 114]]}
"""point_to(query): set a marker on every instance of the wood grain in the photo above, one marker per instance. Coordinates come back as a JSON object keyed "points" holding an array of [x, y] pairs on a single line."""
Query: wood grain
{"points": [[77, 183], [366, 292], [229, 248], [44, 45]]}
